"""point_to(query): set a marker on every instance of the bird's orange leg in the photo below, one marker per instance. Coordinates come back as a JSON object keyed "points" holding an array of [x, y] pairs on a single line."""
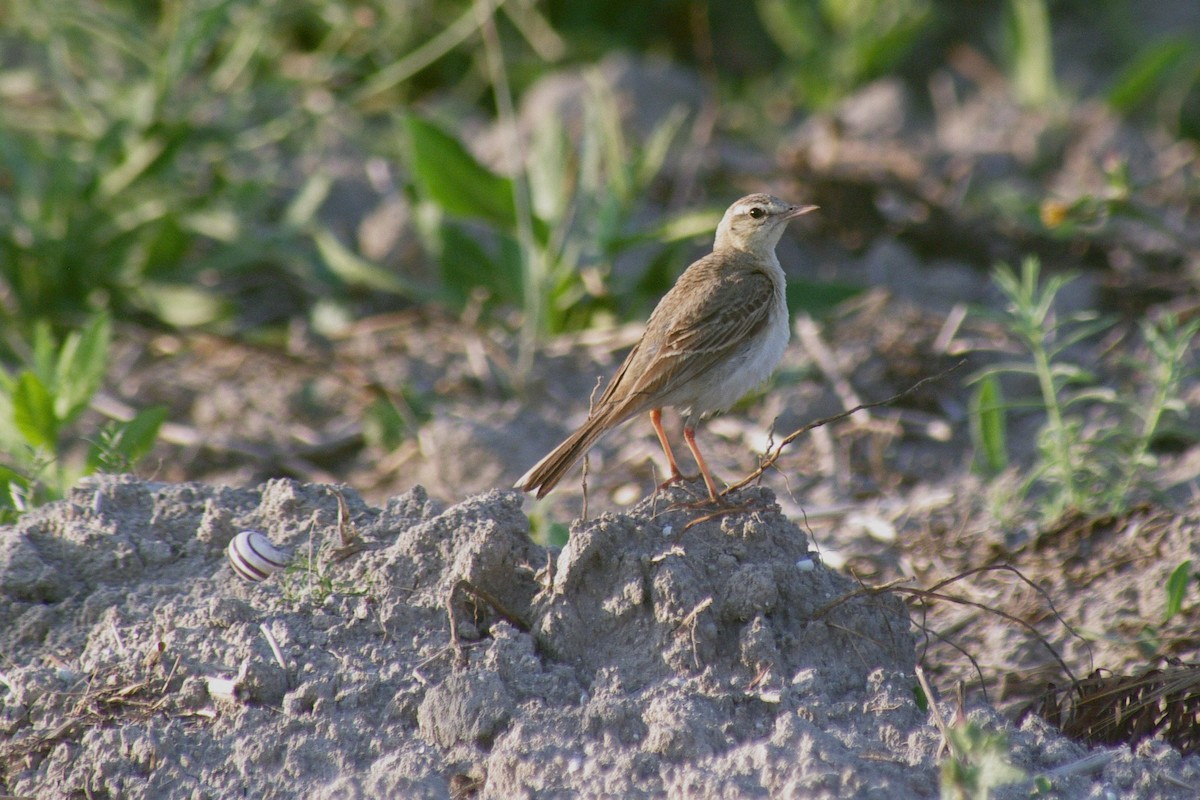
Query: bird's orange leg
{"points": [[676, 475], [689, 436]]}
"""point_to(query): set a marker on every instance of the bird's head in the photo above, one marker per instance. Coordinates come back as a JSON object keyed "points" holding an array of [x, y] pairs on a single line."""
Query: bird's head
{"points": [[755, 223]]}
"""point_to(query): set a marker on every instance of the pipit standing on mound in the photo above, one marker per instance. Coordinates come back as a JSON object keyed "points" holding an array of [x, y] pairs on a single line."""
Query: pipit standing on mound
{"points": [[716, 335]]}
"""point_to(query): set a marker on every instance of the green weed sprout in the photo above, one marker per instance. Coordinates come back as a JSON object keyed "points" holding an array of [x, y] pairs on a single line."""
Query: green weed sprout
{"points": [[836, 46], [1151, 640], [307, 579], [1031, 52], [149, 152], [978, 764], [582, 202], [38, 405], [1095, 443]]}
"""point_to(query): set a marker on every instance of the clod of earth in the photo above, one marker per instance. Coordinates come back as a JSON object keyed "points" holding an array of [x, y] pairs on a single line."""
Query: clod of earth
{"points": [[624, 664]]}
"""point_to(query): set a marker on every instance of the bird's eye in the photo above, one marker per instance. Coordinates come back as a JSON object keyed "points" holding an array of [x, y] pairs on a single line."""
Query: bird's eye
{"points": [[757, 213]]}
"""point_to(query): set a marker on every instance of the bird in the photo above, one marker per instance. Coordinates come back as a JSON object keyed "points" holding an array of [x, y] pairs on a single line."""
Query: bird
{"points": [[717, 334]]}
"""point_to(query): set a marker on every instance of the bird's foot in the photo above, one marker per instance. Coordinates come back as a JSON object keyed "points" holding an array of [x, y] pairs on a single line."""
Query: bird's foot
{"points": [[702, 501], [677, 477], [717, 507]]}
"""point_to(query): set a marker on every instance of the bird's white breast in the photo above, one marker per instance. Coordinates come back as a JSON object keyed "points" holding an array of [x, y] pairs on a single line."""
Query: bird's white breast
{"points": [[750, 367]]}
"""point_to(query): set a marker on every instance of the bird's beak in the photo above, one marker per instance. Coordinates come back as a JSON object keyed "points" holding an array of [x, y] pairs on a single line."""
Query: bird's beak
{"points": [[796, 211]]}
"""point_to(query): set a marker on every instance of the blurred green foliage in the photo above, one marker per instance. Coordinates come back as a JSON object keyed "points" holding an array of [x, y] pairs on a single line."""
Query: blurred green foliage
{"points": [[170, 159], [1030, 52], [1155, 639], [38, 405], [1095, 447], [835, 46], [1163, 77], [559, 226], [166, 159], [131, 157], [989, 429], [980, 762]]}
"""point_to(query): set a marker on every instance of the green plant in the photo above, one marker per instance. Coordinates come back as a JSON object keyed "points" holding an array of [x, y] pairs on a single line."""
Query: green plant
{"points": [[1162, 76], [1095, 443], [988, 429], [1030, 52], [834, 47], [582, 203], [155, 158], [393, 417], [307, 579], [545, 531], [1176, 588], [1089, 214], [978, 763], [99, 208], [39, 404], [1150, 639]]}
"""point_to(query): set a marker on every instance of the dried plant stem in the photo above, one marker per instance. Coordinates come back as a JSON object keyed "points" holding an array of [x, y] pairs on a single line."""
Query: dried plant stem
{"points": [[773, 455]]}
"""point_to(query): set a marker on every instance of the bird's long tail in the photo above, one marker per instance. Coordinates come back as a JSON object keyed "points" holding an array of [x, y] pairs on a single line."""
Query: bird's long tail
{"points": [[545, 475]]}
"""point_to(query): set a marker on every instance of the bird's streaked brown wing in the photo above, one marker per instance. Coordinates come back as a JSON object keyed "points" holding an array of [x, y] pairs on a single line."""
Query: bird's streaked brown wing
{"points": [[708, 330]]}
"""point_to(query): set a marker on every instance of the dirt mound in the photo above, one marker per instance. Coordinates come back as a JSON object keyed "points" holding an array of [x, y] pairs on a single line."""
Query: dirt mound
{"points": [[649, 656]]}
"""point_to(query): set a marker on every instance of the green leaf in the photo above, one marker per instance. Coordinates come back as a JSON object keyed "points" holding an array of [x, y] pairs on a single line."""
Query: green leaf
{"points": [[1084, 329], [879, 55], [1031, 72], [182, 305], [139, 157], [557, 535], [33, 411], [676, 228], [14, 492], [45, 351], [138, 435], [466, 266], [1176, 588], [1141, 79], [80, 368], [550, 161], [445, 172], [919, 698], [128, 442], [307, 202], [988, 425], [383, 425], [12, 440], [658, 145], [354, 270], [167, 245]]}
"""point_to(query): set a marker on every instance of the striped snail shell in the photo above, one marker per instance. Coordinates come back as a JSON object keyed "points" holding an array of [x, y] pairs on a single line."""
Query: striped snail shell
{"points": [[254, 557]]}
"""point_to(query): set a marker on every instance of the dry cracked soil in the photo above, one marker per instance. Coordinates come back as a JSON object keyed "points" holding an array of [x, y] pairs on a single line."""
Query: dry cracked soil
{"points": [[418, 650]]}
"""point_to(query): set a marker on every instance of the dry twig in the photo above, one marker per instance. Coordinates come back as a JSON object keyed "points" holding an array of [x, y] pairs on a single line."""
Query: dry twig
{"points": [[773, 455]]}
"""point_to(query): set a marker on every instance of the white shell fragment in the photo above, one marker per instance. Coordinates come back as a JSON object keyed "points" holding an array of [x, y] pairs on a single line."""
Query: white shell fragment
{"points": [[254, 557]]}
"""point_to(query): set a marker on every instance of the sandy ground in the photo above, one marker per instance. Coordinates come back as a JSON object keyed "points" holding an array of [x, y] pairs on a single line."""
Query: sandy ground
{"points": [[660, 653]]}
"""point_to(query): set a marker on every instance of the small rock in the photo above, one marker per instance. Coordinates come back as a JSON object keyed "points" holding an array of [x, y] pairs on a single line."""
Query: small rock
{"points": [[750, 590], [471, 708], [23, 573]]}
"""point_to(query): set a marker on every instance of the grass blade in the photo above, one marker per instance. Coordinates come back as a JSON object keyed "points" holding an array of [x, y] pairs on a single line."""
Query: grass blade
{"points": [[988, 425], [1176, 588], [33, 411]]}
